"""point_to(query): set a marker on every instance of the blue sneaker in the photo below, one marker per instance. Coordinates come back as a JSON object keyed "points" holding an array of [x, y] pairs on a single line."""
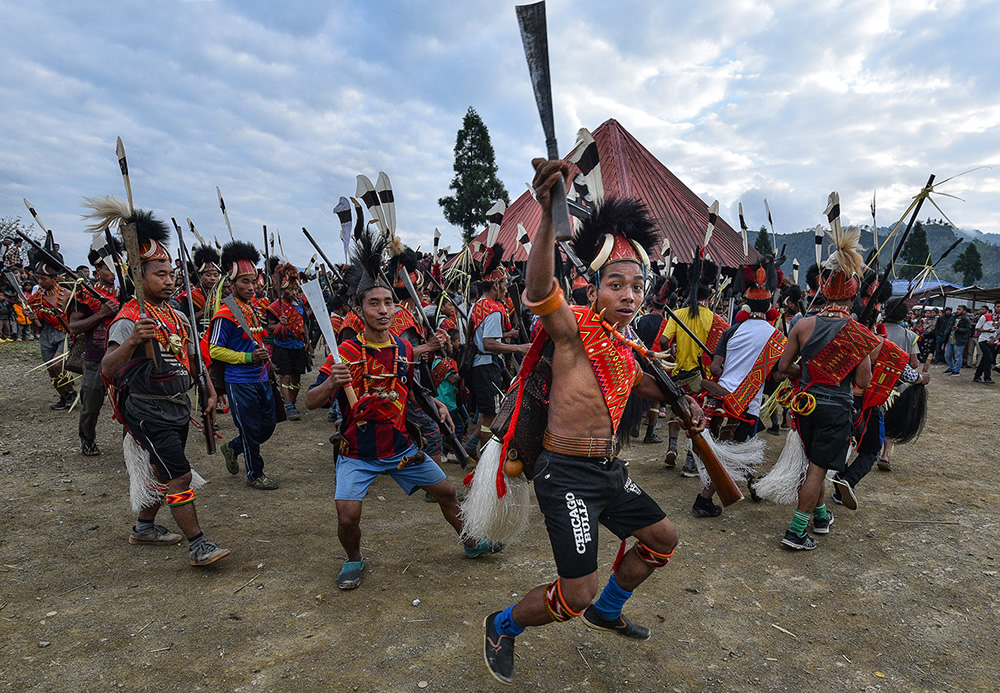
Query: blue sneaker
{"points": [[481, 548], [350, 574]]}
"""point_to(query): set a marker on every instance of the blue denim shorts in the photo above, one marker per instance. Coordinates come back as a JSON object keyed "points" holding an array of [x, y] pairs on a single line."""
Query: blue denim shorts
{"points": [[354, 476]]}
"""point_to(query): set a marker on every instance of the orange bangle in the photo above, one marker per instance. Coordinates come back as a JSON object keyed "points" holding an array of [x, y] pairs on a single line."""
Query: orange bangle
{"points": [[547, 305]]}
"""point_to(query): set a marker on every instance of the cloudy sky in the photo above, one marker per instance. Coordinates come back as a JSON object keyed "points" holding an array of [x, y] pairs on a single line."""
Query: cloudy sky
{"points": [[282, 104]]}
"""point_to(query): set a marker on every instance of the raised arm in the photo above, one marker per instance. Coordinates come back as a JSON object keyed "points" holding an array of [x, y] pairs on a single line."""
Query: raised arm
{"points": [[540, 271]]}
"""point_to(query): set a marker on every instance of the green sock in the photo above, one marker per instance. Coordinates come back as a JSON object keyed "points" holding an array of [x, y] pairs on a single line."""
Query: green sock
{"points": [[820, 512], [800, 522]]}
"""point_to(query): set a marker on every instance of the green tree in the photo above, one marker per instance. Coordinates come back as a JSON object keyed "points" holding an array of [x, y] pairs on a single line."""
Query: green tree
{"points": [[914, 253], [9, 227], [476, 183], [763, 242], [969, 265]]}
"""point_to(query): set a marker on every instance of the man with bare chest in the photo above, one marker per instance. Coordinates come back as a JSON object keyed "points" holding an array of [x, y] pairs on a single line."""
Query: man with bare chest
{"points": [[579, 481]]}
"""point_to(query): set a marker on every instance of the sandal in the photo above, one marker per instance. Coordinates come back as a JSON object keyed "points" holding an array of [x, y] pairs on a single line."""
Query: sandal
{"points": [[89, 448]]}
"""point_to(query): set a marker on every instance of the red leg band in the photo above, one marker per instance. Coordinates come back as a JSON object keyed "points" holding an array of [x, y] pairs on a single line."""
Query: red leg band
{"points": [[180, 498], [650, 557], [556, 605]]}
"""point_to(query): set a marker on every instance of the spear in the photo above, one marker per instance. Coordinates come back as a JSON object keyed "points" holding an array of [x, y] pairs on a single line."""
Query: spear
{"points": [[867, 317], [123, 165], [225, 214], [743, 233]]}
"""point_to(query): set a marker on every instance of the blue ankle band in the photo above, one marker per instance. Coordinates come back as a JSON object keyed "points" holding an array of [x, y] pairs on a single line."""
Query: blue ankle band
{"points": [[505, 625], [612, 599]]}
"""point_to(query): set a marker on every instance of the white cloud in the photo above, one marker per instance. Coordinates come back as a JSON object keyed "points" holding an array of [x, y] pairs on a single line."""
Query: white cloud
{"points": [[282, 105]]}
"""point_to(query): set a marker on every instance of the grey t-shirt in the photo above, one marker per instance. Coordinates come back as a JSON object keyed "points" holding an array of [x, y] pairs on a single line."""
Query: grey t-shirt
{"points": [[492, 326], [173, 380], [902, 337]]}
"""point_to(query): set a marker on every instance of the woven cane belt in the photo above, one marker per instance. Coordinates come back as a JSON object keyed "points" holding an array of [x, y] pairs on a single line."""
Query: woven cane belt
{"points": [[580, 447]]}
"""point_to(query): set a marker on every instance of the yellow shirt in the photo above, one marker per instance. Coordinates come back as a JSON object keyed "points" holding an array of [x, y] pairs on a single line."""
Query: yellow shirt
{"points": [[688, 352]]}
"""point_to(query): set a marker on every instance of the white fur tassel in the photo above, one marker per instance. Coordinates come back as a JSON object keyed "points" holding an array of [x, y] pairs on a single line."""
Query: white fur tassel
{"points": [[143, 486], [484, 516], [739, 459], [781, 484]]}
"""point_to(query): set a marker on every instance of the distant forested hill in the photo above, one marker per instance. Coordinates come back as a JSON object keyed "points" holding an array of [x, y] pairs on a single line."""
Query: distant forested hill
{"points": [[940, 235]]}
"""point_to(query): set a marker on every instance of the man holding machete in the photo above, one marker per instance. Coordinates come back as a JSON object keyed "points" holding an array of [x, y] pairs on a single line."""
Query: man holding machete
{"points": [[378, 367]]}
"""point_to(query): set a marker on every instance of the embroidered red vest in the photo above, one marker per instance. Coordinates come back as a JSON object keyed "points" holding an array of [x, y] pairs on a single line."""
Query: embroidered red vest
{"points": [[442, 369], [846, 350], [614, 365], [251, 316], [736, 403], [352, 322], [483, 309], [886, 371], [719, 325], [381, 399], [47, 313], [402, 320], [197, 298], [168, 322], [296, 324]]}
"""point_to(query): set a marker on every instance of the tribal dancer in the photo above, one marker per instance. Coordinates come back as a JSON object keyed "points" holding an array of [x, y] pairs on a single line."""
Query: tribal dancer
{"points": [[149, 362], [690, 369], [578, 479], [895, 361], [377, 367], [91, 319], [489, 323], [836, 354], [744, 361], [50, 304], [405, 326], [247, 372], [286, 322], [650, 329], [207, 265]]}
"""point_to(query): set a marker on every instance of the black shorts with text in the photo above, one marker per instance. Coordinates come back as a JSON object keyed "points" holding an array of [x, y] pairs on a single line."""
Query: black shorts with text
{"points": [[575, 494]]}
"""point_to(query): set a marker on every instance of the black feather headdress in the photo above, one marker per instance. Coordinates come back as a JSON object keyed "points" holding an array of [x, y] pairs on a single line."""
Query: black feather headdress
{"points": [[618, 229], [39, 262], [701, 274], [206, 255], [492, 268], [109, 213], [238, 258], [401, 256], [367, 268]]}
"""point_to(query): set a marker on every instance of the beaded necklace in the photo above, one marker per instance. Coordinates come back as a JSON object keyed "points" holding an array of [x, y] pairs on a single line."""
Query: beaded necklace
{"points": [[253, 321], [174, 334], [385, 380]]}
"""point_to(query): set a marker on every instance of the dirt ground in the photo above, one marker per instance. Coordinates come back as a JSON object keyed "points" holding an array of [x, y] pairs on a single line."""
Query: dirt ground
{"points": [[901, 596]]}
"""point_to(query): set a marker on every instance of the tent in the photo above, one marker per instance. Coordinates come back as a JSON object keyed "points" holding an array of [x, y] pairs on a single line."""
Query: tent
{"points": [[629, 170]]}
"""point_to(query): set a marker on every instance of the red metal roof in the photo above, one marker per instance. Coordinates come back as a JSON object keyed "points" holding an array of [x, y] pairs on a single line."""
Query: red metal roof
{"points": [[630, 170]]}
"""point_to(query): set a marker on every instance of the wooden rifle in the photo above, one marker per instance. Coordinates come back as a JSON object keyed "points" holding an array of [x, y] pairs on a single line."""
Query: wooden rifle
{"points": [[729, 492], [201, 375]]}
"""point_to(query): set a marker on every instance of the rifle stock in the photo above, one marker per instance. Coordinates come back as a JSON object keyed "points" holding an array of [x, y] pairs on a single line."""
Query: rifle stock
{"points": [[727, 489]]}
